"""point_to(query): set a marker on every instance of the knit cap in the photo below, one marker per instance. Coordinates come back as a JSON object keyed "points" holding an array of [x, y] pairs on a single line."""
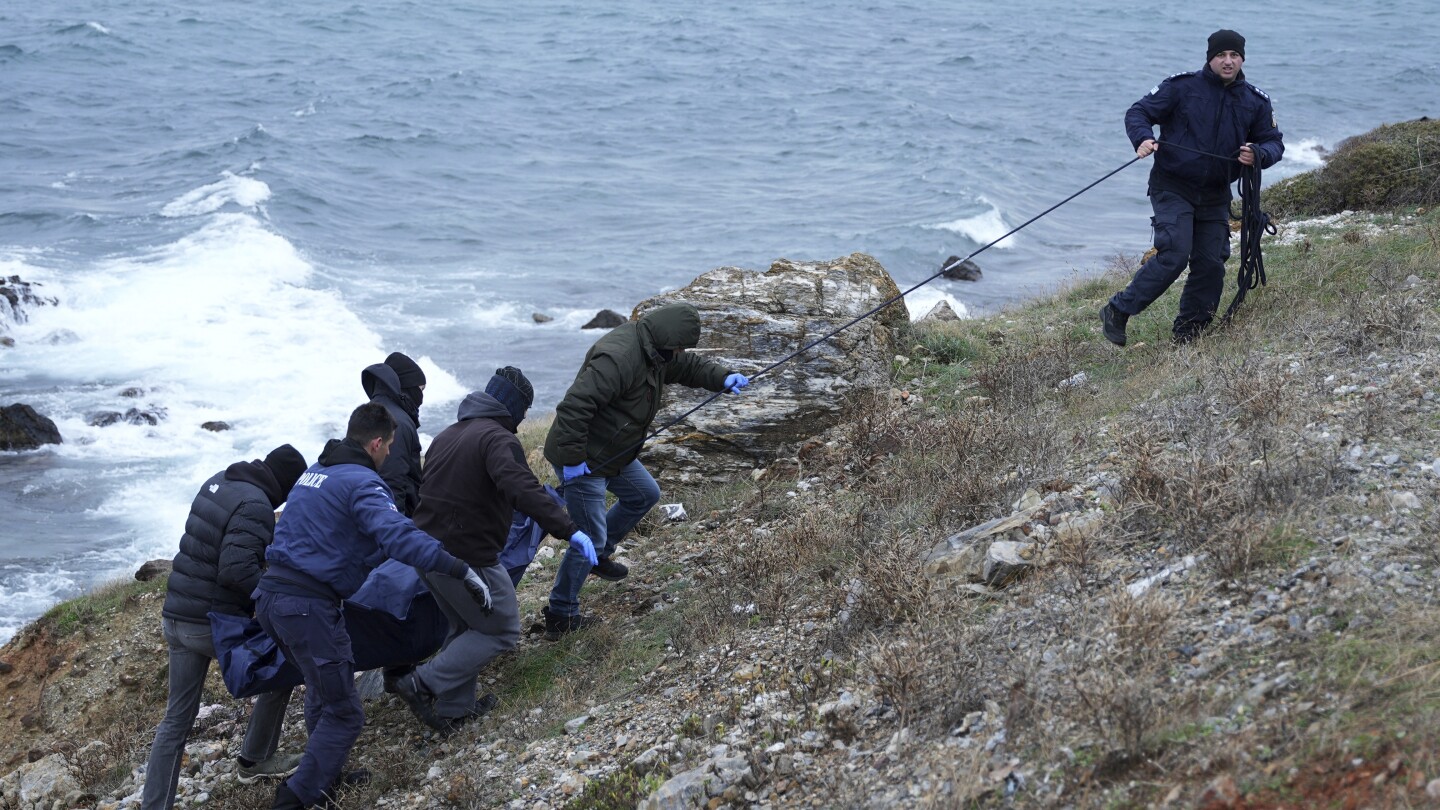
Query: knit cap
{"points": [[510, 387], [1224, 40]]}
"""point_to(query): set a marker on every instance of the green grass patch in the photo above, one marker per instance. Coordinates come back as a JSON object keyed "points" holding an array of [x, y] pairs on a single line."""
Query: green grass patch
{"points": [[105, 601]]}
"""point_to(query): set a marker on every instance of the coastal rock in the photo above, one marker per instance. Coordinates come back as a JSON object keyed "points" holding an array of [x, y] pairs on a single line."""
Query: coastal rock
{"points": [[540, 317], [215, 427], [958, 270], [605, 319], [133, 416], [16, 296], [42, 783], [751, 319], [153, 569], [940, 313], [21, 428]]}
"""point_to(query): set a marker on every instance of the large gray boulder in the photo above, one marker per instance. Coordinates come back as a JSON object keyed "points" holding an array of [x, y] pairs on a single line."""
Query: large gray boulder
{"points": [[752, 319], [21, 428]]}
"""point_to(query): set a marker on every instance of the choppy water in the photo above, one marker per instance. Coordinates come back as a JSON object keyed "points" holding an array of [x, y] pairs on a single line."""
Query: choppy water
{"points": [[241, 206]]}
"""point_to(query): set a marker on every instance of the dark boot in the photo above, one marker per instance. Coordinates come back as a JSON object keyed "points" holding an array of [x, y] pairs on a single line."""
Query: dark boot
{"points": [[609, 570], [483, 705], [557, 625], [1187, 332], [1112, 323], [421, 704], [394, 674]]}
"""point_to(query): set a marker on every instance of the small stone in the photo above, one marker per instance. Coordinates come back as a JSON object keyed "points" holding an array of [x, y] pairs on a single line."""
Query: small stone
{"points": [[540, 317], [574, 726]]}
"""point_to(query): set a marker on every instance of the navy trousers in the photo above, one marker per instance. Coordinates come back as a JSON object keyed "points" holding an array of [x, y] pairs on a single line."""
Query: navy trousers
{"points": [[311, 632], [1185, 234]]}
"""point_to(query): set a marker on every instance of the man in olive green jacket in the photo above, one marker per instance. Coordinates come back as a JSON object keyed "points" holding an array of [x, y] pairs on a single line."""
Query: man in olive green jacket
{"points": [[599, 429]]}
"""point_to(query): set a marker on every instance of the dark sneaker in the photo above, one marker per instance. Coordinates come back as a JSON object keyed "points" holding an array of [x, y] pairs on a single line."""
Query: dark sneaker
{"points": [[410, 690], [557, 625], [609, 570], [278, 765], [1112, 323], [285, 799]]}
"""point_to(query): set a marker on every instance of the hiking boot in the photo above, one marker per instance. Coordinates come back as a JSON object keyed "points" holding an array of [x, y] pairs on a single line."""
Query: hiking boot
{"points": [[278, 765], [421, 704], [557, 625], [1112, 323], [609, 570]]}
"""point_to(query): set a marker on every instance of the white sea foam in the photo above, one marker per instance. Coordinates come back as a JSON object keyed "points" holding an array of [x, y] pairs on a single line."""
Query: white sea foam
{"points": [[219, 325], [981, 228], [97, 27], [246, 192], [924, 299]]}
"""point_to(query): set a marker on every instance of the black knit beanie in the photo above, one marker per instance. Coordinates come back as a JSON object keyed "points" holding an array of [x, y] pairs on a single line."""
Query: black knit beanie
{"points": [[287, 464], [513, 390], [1224, 40], [410, 374]]}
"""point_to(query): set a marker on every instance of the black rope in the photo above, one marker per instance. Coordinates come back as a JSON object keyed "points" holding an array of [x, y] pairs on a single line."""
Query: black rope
{"points": [[1254, 223], [832, 333]]}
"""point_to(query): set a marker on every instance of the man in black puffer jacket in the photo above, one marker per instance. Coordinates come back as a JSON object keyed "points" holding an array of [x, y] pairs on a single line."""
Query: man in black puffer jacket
{"points": [[222, 555]]}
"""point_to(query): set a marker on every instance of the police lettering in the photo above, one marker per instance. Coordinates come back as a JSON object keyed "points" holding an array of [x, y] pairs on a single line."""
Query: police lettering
{"points": [[311, 479]]}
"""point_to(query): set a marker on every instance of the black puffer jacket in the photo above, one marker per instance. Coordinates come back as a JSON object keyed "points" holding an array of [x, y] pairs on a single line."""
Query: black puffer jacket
{"points": [[222, 552], [401, 469]]}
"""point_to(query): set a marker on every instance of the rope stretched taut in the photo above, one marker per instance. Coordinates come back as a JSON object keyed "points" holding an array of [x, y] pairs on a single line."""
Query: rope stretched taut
{"points": [[832, 333]]}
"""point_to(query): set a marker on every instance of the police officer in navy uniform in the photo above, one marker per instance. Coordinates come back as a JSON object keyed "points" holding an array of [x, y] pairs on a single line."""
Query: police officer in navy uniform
{"points": [[1212, 110], [340, 523]]}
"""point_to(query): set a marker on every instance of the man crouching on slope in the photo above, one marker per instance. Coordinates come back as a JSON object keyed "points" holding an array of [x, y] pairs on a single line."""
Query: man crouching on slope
{"points": [[340, 523], [476, 478]]}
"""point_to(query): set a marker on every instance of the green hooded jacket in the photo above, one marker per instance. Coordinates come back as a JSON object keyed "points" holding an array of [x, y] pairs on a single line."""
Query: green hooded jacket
{"points": [[606, 414]]}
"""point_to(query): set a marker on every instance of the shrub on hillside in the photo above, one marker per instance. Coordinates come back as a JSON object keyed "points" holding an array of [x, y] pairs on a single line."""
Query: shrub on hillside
{"points": [[1392, 165]]}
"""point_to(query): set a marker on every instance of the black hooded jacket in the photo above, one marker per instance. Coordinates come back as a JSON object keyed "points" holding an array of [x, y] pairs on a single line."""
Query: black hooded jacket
{"points": [[222, 552], [476, 478], [401, 469]]}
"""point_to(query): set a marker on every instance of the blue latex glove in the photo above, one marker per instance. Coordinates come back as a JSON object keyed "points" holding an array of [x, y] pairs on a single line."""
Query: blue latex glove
{"points": [[576, 470], [735, 382], [581, 542]]}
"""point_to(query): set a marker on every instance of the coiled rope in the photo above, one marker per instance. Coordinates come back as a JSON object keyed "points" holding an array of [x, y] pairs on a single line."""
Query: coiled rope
{"points": [[1254, 223]]}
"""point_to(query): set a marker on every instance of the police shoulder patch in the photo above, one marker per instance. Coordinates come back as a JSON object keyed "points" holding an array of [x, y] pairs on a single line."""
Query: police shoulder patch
{"points": [[1258, 91], [1157, 87]]}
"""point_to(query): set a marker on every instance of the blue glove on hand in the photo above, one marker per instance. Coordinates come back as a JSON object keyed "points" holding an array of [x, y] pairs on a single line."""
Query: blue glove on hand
{"points": [[576, 470], [735, 382], [581, 542]]}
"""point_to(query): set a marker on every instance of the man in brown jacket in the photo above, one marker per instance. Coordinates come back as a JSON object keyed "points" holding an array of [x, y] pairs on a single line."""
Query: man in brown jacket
{"points": [[475, 478]]}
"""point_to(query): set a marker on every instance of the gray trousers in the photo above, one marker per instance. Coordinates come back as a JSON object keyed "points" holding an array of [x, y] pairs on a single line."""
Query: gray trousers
{"points": [[474, 641], [191, 651]]}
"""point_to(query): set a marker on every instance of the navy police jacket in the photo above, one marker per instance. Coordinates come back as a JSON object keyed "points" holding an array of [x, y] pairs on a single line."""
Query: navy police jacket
{"points": [[1200, 111], [340, 523]]}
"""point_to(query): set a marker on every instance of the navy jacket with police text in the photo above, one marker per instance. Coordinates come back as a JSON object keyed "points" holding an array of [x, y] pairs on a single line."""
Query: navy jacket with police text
{"points": [[340, 523]]}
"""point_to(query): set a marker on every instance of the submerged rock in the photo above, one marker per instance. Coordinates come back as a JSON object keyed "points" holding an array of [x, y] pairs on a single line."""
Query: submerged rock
{"points": [[605, 319], [752, 319], [957, 270], [21, 428]]}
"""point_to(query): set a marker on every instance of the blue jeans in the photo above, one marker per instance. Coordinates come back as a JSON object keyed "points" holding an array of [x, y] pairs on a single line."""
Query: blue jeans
{"points": [[1184, 234], [636, 493], [311, 632], [191, 651]]}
